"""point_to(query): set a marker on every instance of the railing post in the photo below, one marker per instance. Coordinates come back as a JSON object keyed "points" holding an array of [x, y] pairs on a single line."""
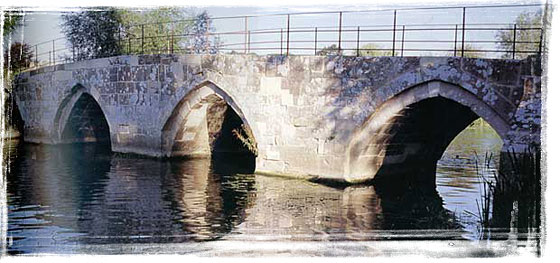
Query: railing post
{"points": [[172, 37], [541, 41], [455, 47], [246, 30], [207, 46], [358, 43], [142, 48], [402, 42], [73, 54], [281, 41], [340, 33], [53, 53], [315, 48], [514, 37], [463, 37], [168, 47], [249, 41], [120, 40], [394, 30], [288, 38]]}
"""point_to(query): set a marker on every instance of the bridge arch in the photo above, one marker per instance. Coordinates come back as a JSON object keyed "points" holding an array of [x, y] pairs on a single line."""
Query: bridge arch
{"points": [[203, 123], [80, 118], [409, 132]]}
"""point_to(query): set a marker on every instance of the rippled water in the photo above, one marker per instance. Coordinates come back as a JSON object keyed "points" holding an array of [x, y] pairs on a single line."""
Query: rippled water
{"points": [[62, 199]]}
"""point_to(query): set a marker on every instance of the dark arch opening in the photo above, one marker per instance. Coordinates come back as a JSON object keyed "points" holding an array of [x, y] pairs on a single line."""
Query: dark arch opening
{"points": [[86, 123], [213, 129], [416, 137], [414, 140]]}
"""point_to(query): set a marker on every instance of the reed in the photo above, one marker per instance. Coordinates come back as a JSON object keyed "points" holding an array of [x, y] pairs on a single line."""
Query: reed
{"points": [[513, 198]]}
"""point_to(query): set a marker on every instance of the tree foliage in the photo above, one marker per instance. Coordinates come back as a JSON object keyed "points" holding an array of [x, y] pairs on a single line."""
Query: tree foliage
{"points": [[92, 33], [154, 30], [367, 50], [331, 50], [11, 20], [18, 57], [374, 50], [527, 36], [200, 39], [111, 32], [470, 51]]}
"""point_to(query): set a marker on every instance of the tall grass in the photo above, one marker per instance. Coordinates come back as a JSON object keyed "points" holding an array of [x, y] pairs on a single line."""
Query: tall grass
{"points": [[488, 188], [513, 200]]}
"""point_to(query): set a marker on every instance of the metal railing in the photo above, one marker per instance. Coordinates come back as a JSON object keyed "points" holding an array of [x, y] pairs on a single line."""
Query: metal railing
{"points": [[286, 38]]}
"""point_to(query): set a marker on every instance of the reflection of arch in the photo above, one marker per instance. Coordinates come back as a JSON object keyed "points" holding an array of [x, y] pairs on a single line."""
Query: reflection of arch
{"points": [[79, 118], [188, 120], [382, 142]]}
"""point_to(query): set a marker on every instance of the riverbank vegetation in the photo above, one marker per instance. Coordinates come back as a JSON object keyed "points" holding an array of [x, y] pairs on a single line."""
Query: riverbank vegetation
{"points": [[512, 201]]}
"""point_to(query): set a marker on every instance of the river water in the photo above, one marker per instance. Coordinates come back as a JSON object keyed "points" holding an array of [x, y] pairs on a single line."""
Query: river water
{"points": [[83, 199]]}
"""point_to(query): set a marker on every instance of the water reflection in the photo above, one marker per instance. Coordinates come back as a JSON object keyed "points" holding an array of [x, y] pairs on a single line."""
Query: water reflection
{"points": [[298, 210], [462, 170], [81, 194], [64, 198]]}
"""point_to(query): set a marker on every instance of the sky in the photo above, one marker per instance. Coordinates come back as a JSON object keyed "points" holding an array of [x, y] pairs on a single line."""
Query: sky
{"points": [[42, 25]]}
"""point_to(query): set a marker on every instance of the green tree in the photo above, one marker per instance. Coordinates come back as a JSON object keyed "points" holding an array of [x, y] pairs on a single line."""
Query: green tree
{"points": [[527, 36], [111, 32], [155, 30], [18, 57], [92, 33], [200, 39], [374, 50], [11, 21], [471, 51], [331, 50]]}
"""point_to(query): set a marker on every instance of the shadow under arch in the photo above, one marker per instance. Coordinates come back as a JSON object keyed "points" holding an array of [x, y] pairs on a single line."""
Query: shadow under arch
{"points": [[408, 133], [80, 119], [207, 122], [14, 124]]}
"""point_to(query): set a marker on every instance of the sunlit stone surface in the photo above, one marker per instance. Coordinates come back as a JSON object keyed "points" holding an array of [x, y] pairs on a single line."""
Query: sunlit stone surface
{"points": [[331, 117]]}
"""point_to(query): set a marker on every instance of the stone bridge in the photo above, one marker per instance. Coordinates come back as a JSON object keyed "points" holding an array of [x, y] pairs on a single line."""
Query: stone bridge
{"points": [[350, 119]]}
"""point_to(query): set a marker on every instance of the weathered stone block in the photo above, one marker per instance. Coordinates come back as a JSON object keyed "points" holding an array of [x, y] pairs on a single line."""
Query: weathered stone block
{"points": [[124, 73], [125, 87], [124, 99]]}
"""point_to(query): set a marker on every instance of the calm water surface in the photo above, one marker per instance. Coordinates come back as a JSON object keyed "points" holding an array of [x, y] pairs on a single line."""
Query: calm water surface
{"points": [[64, 198]]}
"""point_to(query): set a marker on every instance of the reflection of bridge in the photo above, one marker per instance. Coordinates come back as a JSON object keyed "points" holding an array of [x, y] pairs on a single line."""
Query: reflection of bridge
{"points": [[116, 199], [335, 117]]}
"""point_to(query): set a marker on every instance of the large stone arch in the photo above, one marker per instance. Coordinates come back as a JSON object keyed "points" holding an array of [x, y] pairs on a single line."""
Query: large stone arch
{"points": [[78, 92], [190, 110], [369, 144]]}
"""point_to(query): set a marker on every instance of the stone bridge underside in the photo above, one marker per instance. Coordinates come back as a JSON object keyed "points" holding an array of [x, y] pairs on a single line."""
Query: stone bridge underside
{"points": [[342, 118]]}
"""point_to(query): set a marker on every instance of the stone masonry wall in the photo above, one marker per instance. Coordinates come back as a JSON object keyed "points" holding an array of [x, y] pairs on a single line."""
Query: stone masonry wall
{"points": [[303, 110]]}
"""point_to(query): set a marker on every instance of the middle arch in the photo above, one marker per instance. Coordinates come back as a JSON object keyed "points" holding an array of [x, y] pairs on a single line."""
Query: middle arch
{"points": [[409, 132], [204, 122]]}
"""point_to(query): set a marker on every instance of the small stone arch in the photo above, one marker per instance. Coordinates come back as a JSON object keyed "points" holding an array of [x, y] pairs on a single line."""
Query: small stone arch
{"points": [[67, 105], [184, 112], [366, 155]]}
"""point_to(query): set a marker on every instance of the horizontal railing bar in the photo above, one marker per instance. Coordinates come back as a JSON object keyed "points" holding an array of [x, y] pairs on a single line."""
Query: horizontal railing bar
{"points": [[328, 12], [343, 12], [222, 41]]}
